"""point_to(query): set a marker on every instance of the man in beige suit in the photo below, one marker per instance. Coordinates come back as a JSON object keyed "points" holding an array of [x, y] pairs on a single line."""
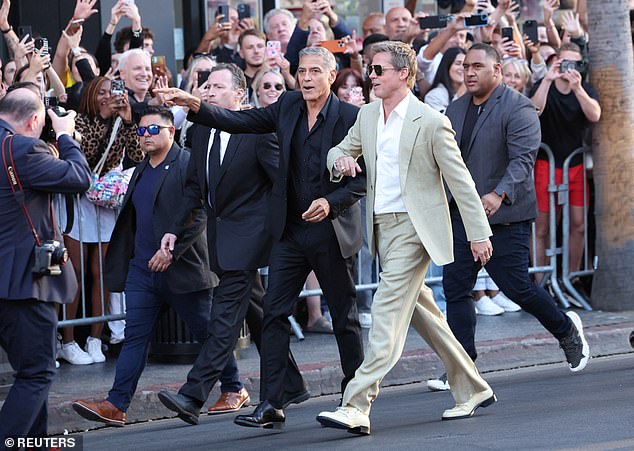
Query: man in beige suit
{"points": [[408, 148]]}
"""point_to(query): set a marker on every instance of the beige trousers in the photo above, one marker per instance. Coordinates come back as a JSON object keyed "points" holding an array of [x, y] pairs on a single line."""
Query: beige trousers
{"points": [[403, 298]]}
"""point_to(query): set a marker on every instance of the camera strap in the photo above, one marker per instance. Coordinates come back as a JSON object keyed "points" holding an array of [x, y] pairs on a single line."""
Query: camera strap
{"points": [[16, 186]]}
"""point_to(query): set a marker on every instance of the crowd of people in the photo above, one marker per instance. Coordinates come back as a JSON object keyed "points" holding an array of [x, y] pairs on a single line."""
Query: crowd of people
{"points": [[273, 149]]}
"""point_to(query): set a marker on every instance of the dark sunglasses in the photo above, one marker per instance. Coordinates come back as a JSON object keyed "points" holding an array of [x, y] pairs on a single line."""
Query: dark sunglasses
{"points": [[378, 69], [152, 129], [197, 55], [277, 86]]}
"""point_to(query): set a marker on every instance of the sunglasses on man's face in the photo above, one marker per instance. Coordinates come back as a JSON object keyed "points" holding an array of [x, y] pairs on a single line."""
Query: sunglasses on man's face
{"points": [[378, 69], [277, 86], [152, 129]]}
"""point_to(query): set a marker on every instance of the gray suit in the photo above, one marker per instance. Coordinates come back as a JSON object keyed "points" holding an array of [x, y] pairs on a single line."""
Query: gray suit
{"points": [[500, 156], [502, 150]]}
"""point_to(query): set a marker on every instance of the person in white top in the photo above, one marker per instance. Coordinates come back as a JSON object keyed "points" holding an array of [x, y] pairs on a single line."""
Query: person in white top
{"points": [[406, 146]]}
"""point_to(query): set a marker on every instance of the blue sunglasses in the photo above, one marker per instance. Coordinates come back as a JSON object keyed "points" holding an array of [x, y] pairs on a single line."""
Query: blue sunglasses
{"points": [[152, 129]]}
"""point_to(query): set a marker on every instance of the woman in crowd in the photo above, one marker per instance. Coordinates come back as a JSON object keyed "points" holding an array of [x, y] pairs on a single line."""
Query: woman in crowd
{"points": [[516, 74], [448, 84], [95, 123], [268, 86], [348, 87], [198, 64]]}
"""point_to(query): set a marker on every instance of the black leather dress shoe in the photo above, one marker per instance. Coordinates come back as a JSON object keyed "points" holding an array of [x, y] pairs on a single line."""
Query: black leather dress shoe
{"points": [[264, 416], [294, 398], [188, 409]]}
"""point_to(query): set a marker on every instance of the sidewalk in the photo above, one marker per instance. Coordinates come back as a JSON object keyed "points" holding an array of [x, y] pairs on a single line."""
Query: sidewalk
{"points": [[504, 342]]}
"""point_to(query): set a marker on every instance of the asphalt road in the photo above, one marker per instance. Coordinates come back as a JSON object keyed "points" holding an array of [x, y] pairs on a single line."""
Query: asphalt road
{"points": [[540, 408]]}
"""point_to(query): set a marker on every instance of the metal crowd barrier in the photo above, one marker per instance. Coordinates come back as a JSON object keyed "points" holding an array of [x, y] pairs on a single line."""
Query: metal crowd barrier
{"points": [[558, 196], [82, 309], [567, 275]]}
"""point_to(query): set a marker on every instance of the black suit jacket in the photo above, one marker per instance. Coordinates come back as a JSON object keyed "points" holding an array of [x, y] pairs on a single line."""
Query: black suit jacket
{"points": [[41, 175], [189, 271], [236, 219], [281, 117]]}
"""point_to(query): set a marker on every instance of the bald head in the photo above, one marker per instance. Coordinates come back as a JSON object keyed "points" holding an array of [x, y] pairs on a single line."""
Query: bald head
{"points": [[23, 109], [397, 22]]}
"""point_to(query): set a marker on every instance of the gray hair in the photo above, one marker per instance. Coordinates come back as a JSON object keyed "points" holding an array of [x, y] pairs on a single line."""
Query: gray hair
{"points": [[401, 56], [275, 12], [238, 81], [125, 56], [328, 58]]}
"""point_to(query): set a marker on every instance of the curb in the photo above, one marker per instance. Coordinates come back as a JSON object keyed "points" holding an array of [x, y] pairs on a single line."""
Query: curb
{"points": [[414, 366]]}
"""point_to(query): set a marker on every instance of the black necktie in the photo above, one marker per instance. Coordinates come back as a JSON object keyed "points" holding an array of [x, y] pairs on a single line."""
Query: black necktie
{"points": [[214, 166]]}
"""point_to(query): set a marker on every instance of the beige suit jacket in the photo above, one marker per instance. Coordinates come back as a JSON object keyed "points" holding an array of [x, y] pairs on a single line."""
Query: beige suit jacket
{"points": [[427, 153]]}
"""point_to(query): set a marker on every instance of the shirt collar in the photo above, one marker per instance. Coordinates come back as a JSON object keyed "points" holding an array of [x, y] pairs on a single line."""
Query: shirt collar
{"points": [[401, 108], [324, 111]]}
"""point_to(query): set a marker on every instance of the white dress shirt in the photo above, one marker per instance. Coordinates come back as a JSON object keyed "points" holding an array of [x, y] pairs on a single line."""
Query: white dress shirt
{"points": [[224, 141], [388, 198]]}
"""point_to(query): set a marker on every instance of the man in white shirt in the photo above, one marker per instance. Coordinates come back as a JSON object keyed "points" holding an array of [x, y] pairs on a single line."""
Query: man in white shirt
{"points": [[407, 146]]}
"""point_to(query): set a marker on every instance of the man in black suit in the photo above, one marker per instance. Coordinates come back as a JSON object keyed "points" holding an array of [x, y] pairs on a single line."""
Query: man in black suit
{"points": [[232, 175], [28, 315], [316, 224], [135, 264]]}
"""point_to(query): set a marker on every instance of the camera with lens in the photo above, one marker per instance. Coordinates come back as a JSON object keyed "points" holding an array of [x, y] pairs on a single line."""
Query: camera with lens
{"points": [[568, 65], [48, 258], [48, 134]]}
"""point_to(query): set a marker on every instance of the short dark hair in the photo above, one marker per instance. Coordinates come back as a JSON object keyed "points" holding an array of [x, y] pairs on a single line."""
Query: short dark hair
{"points": [[570, 47], [158, 110], [238, 81], [489, 50], [18, 106], [124, 36]]}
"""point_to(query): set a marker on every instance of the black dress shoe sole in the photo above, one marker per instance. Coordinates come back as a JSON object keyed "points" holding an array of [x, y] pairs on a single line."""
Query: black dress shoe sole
{"points": [[297, 399], [91, 415], [486, 403], [329, 422], [254, 424], [185, 415]]}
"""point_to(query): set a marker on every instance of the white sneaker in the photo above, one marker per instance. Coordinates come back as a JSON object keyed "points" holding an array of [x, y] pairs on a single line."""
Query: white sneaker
{"points": [[365, 319], [439, 384], [349, 418], [93, 348], [72, 353], [486, 307], [501, 300]]}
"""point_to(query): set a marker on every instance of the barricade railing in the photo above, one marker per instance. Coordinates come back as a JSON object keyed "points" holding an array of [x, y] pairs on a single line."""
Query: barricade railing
{"points": [[558, 195], [567, 275], [82, 318]]}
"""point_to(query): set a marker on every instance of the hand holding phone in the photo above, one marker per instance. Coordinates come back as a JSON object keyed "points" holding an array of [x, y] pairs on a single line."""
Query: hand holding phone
{"points": [[223, 10], [334, 45], [244, 11], [273, 49], [507, 34], [159, 68], [531, 31]]}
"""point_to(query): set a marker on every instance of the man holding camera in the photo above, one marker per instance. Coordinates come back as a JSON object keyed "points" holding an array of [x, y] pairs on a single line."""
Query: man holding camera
{"points": [[567, 106], [34, 277]]}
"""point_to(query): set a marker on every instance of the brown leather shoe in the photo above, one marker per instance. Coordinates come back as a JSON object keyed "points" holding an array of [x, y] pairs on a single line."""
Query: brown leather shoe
{"points": [[230, 402], [102, 411]]}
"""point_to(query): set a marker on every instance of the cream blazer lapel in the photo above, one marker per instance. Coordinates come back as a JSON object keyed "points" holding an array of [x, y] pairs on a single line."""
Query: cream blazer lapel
{"points": [[409, 133]]}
